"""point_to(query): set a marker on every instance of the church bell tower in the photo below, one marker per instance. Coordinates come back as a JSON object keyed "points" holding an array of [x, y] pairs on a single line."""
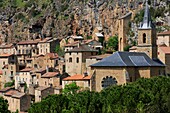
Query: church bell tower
{"points": [[147, 35]]}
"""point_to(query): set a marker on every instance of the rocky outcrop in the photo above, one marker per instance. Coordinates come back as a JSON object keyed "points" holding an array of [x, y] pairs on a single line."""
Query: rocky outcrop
{"points": [[22, 20]]}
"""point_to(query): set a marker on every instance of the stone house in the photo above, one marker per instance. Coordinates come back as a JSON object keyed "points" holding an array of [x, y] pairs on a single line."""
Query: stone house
{"points": [[164, 56], [75, 59], [83, 81], [25, 78], [9, 66], [47, 60], [25, 51], [42, 92], [50, 79], [123, 30], [47, 45], [7, 49], [17, 100], [163, 38]]}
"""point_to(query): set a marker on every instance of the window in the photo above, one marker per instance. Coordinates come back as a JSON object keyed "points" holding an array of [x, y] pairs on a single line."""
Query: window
{"points": [[108, 81], [70, 53], [144, 38], [70, 59], [19, 51], [77, 60]]}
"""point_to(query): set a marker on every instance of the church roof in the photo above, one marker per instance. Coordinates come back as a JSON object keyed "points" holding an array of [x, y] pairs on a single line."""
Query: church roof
{"points": [[126, 59], [147, 22]]}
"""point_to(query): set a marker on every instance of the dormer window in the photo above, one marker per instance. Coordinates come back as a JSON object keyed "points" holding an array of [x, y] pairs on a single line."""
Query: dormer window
{"points": [[144, 38]]}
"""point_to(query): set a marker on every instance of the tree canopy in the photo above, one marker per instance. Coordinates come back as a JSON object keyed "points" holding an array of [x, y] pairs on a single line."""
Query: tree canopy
{"points": [[3, 106], [112, 43], [145, 95]]}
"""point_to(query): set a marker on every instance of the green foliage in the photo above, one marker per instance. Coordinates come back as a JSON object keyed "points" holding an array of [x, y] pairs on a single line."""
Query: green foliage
{"points": [[112, 43], [59, 50], [3, 106], [143, 96], [89, 37], [71, 89], [9, 84], [126, 48]]}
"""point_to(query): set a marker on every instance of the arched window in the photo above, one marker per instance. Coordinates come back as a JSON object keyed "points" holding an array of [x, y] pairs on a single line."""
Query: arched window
{"points": [[108, 81], [144, 38], [77, 60], [70, 59]]}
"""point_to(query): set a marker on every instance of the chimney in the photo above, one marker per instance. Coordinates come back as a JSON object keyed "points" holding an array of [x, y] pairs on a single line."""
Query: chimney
{"points": [[47, 70], [85, 74]]}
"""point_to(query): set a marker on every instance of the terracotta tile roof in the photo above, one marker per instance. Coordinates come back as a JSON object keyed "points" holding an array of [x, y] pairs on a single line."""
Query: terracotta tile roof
{"points": [[5, 55], [52, 55], [6, 46], [26, 69], [50, 74], [1, 72], [164, 33], [14, 93], [77, 77], [27, 42], [41, 88], [74, 44], [6, 89], [45, 40], [166, 50]]}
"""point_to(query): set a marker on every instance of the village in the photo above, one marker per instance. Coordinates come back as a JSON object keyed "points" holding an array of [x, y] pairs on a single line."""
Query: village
{"points": [[35, 69]]}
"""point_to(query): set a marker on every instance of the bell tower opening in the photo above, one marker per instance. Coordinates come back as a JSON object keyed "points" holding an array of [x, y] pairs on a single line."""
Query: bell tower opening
{"points": [[144, 38]]}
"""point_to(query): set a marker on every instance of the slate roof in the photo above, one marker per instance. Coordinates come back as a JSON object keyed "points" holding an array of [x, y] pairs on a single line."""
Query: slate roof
{"points": [[83, 48], [128, 59]]}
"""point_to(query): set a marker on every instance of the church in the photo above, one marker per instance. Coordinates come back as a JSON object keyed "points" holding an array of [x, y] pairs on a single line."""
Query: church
{"points": [[123, 67]]}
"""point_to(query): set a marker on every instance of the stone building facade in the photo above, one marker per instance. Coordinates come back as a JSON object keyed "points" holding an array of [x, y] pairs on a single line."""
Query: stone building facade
{"points": [[75, 59], [123, 30], [163, 38]]}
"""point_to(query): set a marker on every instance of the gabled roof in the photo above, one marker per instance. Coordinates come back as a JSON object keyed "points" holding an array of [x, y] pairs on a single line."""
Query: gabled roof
{"points": [[50, 74], [26, 69], [6, 46], [165, 50], [28, 42], [82, 48], [5, 55], [125, 59], [41, 88], [14, 93], [52, 55], [77, 77], [164, 33]]}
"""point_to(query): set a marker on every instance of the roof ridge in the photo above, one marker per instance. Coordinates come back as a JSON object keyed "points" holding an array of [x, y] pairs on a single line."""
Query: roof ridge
{"points": [[121, 58]]}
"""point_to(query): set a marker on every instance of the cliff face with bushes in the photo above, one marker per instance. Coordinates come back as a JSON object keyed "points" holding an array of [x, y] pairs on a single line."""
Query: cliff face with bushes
{"points": [[30, 19]]}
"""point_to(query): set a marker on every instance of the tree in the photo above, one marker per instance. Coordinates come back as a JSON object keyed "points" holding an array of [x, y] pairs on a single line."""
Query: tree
{"points": [[9, 84], [59, 51], [71, 89], [113, 43], [3, 106]]}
